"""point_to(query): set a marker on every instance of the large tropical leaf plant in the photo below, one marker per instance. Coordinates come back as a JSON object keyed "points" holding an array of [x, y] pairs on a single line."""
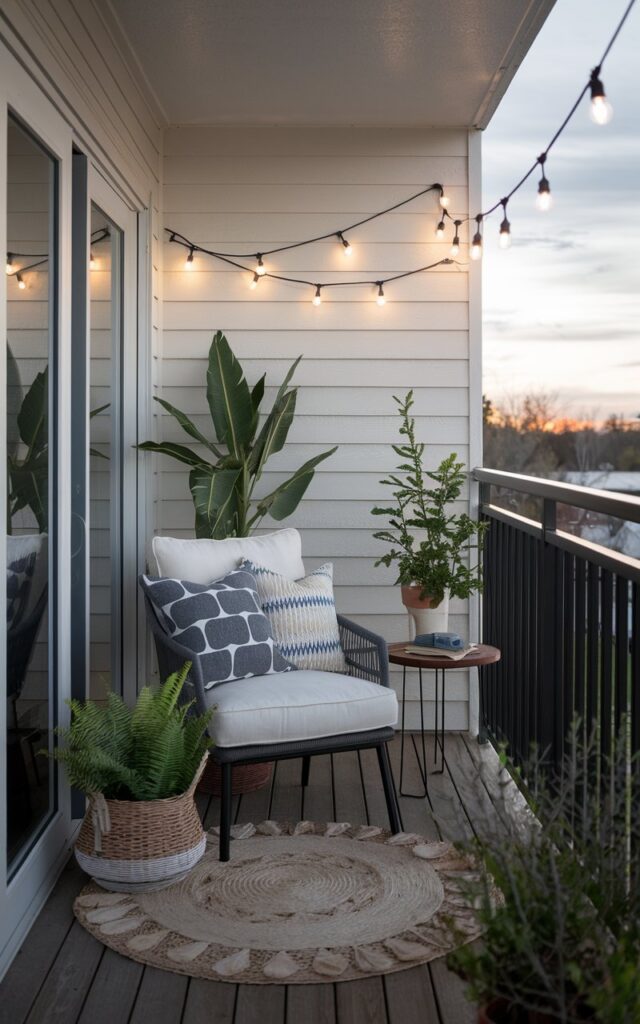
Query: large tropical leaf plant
{"points": [[223, 487], [28, 462]]}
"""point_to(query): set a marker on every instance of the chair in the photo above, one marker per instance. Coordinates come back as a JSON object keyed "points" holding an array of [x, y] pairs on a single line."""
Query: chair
{"points": [[294, 714]]}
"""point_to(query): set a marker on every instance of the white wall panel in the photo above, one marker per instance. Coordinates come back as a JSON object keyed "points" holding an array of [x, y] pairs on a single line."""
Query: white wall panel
{"points": [[247, 190]]}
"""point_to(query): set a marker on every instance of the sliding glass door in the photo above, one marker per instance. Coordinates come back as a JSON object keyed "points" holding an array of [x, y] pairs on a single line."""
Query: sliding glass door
{"points": [[35, 188], [32, 366]]}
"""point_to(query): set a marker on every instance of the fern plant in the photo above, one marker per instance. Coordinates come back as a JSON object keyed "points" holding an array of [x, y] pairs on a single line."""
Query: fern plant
{"points": [[146, 753]]}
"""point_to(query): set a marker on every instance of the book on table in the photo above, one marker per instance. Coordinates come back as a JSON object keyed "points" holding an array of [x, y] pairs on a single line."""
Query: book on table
{"points": [[439, 652]]}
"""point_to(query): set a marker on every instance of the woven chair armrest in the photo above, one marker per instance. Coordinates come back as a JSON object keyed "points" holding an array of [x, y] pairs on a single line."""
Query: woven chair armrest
{"points": [[365, 652], [171, 658]]}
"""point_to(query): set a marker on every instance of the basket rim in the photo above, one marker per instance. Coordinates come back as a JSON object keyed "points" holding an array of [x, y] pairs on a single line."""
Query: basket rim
{"points": [[160, 800]]}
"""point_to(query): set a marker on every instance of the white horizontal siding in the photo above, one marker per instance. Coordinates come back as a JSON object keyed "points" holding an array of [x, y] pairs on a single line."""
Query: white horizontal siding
{"points": [[248, 190]]}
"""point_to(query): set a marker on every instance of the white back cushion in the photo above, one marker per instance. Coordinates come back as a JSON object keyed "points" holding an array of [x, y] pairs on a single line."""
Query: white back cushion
{"points": [[202, 561]]}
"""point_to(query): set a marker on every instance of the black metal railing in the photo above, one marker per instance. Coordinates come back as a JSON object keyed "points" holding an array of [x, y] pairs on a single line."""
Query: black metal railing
{"points": [[565, 613]]}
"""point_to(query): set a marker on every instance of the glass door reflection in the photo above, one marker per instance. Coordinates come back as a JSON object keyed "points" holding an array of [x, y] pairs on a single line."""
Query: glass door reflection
{"points": [[31, 473], [105, 456]]}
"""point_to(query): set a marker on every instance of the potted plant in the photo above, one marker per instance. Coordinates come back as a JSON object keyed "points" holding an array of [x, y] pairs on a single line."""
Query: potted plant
{"points": [[138, 768], [561, 944], [429, 541], [223, 491]]}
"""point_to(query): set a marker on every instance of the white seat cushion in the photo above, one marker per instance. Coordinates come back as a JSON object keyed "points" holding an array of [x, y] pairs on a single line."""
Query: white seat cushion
{"points": [[301, 705], [203, 560]]}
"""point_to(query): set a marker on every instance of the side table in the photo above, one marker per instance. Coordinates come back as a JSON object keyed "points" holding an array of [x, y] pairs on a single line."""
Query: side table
{"points": [[482, 654]]}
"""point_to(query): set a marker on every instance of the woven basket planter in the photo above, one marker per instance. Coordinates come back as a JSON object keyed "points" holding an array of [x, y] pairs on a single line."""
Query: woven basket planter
{"points": [[137, 845], [245, 778]]}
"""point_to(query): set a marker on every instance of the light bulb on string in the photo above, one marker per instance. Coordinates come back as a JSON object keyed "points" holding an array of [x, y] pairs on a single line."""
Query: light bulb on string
{"points": [[543, 198], [444, 199], [476, 244], [380, 299], [9, 267], [348, 249], [504, 239], [317, 298], [455, 245], [21, 282], [188, 263], [253, 283], [600, 110], [260, 269], [440, 228], [93, 263]]}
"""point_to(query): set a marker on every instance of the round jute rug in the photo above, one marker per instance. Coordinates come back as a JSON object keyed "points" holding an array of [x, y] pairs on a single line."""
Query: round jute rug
{"points": [[301, 903]]}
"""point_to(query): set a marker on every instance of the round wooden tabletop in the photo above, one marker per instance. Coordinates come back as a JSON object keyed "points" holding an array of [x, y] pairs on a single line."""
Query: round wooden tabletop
{"points": [[482, 654]]}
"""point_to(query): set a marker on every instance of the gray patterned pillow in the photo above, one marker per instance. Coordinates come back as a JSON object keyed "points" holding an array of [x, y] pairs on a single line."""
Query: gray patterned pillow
{"points": [[222, 622]]}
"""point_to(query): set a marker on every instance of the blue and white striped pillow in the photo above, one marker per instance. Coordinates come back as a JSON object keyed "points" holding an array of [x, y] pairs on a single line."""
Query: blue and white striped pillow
{"points": [[302, 614]]}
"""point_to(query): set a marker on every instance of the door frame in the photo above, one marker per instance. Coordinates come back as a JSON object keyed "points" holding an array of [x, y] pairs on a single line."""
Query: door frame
{"points": [[22, 896], [91, 188]]}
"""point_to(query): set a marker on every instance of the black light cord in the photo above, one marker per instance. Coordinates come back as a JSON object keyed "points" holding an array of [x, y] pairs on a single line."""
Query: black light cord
{"points": [[339, 233], [192, 247], [43, 257]]}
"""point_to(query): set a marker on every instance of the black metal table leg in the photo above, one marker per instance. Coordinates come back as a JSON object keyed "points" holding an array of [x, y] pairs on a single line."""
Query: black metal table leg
{"points": [[422, 765], [438, 740]]}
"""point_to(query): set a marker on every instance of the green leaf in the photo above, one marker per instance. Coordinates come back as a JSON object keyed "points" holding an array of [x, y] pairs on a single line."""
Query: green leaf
{"points": [[30, 487], [96, 412], [188, 426], [174, 451], [229, 397], [286, 498], [215, 499], [273, 435], [97, 454], [33, 413], [257, 393]]}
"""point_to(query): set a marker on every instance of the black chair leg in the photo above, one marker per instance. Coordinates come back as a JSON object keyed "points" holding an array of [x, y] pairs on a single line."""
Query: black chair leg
{"points": [[306, 764], [389, 788], [225, 812]]}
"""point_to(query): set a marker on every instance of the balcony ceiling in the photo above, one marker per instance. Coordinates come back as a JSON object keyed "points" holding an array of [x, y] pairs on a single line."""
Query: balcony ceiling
{"points": [[333, 62]]}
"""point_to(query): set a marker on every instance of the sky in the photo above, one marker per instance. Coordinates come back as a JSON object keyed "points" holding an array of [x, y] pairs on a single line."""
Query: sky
{"points": [[562, 305]]}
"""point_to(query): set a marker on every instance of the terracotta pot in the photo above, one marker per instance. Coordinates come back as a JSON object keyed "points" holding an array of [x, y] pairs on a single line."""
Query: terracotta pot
{"points": [[426, 618], [245, 778]]}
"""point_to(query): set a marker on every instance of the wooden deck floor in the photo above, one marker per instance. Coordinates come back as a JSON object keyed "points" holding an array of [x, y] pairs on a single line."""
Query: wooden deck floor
{"points": [[62, 974]]}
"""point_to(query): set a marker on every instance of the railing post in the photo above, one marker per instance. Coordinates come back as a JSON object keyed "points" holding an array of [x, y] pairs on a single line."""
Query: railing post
{"points": [[484, 498], [549, 609]]}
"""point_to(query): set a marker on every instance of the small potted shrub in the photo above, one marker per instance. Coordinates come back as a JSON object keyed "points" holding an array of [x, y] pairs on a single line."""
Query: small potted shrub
{"points": [[429, 542], [139, 769]]}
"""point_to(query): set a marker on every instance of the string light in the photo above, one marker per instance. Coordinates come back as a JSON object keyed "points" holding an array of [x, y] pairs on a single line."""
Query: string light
{"points": [[445, 201], [253, 284], [348, 249], [188, 263], [380, 299], [9, 266], [317, 298], [476, 244], [260, 269], [543, 198], [93, 263], [455, 245], [601, 110], [440, 229], [504, 239], [21, 281]]}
